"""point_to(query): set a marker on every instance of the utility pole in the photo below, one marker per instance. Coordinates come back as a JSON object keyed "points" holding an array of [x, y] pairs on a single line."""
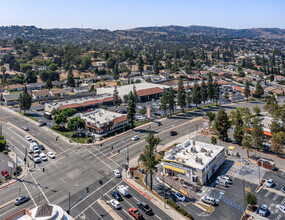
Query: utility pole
{"points": [[196, 132], [164, 190], [69, 198], [243, 193], [77, 132], [258, 174], [16, 165]]}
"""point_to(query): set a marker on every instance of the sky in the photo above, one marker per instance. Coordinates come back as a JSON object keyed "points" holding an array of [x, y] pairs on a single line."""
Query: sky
{"points": [[125, 14]]}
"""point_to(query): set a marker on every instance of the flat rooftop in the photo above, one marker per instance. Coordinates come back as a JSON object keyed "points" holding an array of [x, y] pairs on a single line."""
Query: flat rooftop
{"points": [[100, 116], [193, 153]]}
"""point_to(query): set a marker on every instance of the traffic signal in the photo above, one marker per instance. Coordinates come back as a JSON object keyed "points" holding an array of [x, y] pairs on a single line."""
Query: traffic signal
{"points": [[87, 190]]}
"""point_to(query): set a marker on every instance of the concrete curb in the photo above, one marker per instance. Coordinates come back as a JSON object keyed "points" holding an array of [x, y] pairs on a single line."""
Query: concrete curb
{"points": [[108, 209]]}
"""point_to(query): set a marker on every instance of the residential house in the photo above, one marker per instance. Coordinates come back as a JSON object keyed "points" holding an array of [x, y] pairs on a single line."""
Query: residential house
{"points": [[15, 87], [58, 84], [58, 92], [36, 86], [81, 89], [258, 74], [37, 94]]}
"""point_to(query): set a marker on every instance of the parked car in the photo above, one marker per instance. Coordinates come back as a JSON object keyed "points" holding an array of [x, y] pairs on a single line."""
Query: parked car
{"points": [[25, 128], [117, 196], [42, 124], [270, 183], [221, 182], [22, 199], [283, 189], [136, 137], [135, 212], [180, 197], [36, 158], [159, 123], [117, 173], [145, 207], [115, 204], [5, 173], [172, 133], [35, 141], [281, 208], [41, 147], [263, 210], [28, 138], [209, 200], [43, 157], [50, 155], [225, 178]]}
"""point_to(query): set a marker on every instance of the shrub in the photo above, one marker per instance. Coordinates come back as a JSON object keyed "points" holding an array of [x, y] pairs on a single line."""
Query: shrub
{"points": [[189, 216], [5, 152], [1, 137], [182, 211], [19, 170], [2, 145], [172, 203], [103, 107], [89, 140]]}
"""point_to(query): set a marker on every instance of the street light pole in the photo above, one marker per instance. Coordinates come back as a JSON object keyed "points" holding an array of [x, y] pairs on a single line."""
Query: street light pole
{"points": [[243, 193], [77, 132], [69, 198]]}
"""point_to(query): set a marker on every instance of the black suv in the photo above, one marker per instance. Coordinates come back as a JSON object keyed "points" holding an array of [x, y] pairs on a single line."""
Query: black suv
{"points": [[172, 133], [144, 206], [42, 124], [117, 196]]}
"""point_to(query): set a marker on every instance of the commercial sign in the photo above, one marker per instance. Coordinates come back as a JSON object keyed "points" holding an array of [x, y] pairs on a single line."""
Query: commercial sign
{"points": [[148, 112], [10, 164]]}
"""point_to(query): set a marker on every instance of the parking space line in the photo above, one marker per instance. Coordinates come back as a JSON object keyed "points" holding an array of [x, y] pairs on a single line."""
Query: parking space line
{"points": [[96, 199], [98, 158], [283, 201], [267, 194], [278, 217], [96, 212], [275, 197]]}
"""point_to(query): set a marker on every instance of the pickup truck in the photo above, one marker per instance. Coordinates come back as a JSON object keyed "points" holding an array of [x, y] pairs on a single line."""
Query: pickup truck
{"points": [[124, 190]]}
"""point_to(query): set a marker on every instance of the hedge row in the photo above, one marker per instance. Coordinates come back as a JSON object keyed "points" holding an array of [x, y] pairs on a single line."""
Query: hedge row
{"points": [[176, 206]]}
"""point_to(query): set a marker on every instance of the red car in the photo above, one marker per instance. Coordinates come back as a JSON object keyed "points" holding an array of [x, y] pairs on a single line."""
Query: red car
{"points": [[5, 173], [135, 212]]}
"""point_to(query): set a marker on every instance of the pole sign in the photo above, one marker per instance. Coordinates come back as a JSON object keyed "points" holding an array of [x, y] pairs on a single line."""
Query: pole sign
{"points": [[10, 164], [148, 112], [231, 97]]}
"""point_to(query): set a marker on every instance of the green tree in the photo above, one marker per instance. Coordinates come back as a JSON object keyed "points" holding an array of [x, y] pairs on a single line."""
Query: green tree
{"points": [[181, 94], [48, 84], [25, 100], [116, 98], [271, 78], [213, 140], [203, 92], [211, 116], [246, 143], [271, 105], [92, 88], [277, 142], [156, 67], [131, 109], [251, 199], [116, 72], [259, 90], [222, 124], [148, 156], [60, 119], [70, 79], [196, 98], [210, 87], [75, 123], [226, 96], [246, 91], [216, 92], [238, 128], [136, 97], [164, 101], [171, 101], [3, 69], [257, 133], [256, 109], [140, 64], [54, 112], [275, 126], [188, 98]]}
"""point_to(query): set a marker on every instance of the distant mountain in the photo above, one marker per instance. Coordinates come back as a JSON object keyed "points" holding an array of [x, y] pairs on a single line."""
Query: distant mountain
{"points": [[164, 34]]}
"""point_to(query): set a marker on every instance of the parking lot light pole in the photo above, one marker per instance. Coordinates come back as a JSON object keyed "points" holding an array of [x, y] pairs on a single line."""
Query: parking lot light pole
{"points": [[69, 198]]}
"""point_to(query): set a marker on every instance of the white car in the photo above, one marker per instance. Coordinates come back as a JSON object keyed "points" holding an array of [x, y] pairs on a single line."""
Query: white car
{"points": [[50, 155], [25, 128], [117, 173], [140, 107], [136, 137], [36, 158], [28, 138], [179, 197], [281, 208], [115, 204], [43, 157], [269, 183]]}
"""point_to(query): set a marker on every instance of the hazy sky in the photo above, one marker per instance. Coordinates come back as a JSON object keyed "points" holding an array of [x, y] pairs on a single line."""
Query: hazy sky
{"points": [[124, 14]]}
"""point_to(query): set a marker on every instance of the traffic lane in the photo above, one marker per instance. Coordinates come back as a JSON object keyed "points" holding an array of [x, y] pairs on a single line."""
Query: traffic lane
{"points": [[100, 212]]}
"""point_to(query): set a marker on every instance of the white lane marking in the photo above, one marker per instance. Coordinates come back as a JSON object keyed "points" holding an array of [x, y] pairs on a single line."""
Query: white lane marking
{"points": [[93, 193], [96, 199], [108, 157], [96, 213], [121, 206], [267, 194], [275, 197], [98, 158], [16, 147], [283, 201], [40, 188], [278, 217], [29, 193]]}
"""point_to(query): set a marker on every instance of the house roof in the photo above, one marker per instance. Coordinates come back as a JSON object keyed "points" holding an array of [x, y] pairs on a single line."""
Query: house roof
{"points": [[81, 88], [58, 91], [43, 92], [44, 210], [120, 119], [15, 86], [151, 91]]}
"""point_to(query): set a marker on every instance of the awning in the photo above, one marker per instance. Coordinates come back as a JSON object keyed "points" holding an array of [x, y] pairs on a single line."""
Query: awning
{"points": [[231, 147], [174, 168]]}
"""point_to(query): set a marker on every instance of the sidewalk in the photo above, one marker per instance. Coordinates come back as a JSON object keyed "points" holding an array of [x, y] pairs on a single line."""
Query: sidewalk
{"points": [[159, 203]]}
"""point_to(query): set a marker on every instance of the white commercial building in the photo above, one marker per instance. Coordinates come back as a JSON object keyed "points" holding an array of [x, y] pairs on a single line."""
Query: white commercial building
{"points": [[193, 161]]}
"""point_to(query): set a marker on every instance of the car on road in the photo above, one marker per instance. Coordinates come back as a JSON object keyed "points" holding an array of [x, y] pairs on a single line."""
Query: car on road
{"points": [[135, 138], [263, 210], [22, 199], [28, 138], [41, 147], [117, 196], [43, 156], [172, 133], [42, 124], [135, 212], [5, 173], [115, 204], [159, 123], [283, 189], [50, 155], [281, 208], [36, 158], [225, 178], [25, 128], [35, 141], [145, 207], [270, 183], [117, 173], [222, 182], [209, 200], [180, 197]]}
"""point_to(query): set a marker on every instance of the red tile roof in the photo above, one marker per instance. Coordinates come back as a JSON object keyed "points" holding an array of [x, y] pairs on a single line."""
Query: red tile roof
{"points": [[151, 91], [120, 119]]}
